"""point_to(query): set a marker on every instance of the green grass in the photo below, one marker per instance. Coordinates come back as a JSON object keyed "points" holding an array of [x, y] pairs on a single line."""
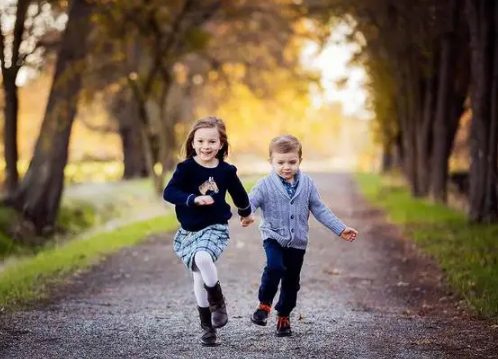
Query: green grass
{"points": [[7, 245], [83, 207], [467, 253], [74, 217], [28, 279]]}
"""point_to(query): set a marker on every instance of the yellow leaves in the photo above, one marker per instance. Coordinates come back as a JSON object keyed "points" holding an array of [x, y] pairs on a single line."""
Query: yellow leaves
{"points": [[234, 70], [213, 75], [114, 88], [253, 120], [197, 79], [180, 72], [133, 76]]}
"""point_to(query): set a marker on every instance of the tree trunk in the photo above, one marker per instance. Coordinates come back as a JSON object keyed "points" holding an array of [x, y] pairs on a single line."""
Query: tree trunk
{"points": [[398, 150], [412, 132], [410, 163], [38, 197], [146, 139], [10, 131], [424, 138], [481, 17], [167, 137], [387, 163], [12, 98], [171, 146], [133, 156], [123, 108], [444, 121], [491, 198]]}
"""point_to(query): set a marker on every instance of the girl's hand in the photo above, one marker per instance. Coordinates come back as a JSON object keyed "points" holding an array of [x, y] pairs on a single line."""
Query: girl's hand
{"points": [[204, 200], [245, 221], [349, 234]]}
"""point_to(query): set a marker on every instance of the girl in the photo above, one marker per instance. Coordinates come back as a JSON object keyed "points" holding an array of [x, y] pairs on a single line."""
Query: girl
{"points": [[198, 190]]}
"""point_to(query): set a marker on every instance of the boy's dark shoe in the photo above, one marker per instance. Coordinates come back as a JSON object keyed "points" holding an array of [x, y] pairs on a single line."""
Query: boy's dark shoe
{"points": [[217, 305], [260, 316], [208, 337], [283, 327]]}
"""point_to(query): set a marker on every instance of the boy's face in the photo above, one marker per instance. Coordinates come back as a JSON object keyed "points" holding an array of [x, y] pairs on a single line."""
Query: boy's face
{"points": [[285, 165]]}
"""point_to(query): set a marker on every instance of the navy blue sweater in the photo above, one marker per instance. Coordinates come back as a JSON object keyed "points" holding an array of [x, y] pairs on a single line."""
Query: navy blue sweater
{"points": [[191, 180]]}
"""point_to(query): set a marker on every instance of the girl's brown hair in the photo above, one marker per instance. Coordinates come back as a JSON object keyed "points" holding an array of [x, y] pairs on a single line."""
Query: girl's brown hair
{"points": [[207, 122]]}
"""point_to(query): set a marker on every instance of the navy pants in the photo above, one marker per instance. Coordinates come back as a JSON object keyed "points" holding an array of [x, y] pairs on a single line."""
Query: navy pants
{"points": [[283, 265]]}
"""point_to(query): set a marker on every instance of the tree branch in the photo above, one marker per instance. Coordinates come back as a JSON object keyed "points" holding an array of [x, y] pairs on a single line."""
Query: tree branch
{"points": [[22, 8], [2, 45]]}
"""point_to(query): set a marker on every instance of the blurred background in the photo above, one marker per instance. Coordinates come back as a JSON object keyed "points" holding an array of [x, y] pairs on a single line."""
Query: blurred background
{"points": [[100, 91]]}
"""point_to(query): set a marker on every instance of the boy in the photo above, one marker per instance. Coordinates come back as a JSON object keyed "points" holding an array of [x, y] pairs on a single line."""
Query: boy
{"points": [[286, 196]]}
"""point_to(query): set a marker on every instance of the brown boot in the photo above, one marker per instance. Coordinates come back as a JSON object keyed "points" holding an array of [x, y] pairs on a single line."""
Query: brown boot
{"points": [[217, 305], [208, 337]]}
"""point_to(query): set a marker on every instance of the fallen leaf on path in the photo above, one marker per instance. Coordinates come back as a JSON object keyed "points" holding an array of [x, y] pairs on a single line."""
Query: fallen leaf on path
{"points": [[331, 271]]}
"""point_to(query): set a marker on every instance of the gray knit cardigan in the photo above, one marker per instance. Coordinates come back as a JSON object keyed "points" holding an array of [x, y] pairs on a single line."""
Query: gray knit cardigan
{"points": [[286, 219]]}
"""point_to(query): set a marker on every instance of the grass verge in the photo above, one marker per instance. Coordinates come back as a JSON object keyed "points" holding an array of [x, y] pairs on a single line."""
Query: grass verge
{"points": [[74, 217], [467, 253], [29, 279]]}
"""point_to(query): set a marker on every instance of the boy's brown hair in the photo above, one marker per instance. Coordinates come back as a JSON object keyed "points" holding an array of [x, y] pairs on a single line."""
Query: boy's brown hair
{"points": [[286, 144]]}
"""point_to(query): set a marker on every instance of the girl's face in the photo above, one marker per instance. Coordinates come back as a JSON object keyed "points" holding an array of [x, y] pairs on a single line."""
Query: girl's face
{"points": [[206, 144], [285, 165]]}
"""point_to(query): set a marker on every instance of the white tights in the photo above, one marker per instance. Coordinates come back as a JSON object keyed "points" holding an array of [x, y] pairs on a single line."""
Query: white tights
{"points": [[204, 273]]}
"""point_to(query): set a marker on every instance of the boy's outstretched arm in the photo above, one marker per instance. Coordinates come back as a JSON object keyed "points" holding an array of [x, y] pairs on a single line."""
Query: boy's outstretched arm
{"points": [[326, 217]]}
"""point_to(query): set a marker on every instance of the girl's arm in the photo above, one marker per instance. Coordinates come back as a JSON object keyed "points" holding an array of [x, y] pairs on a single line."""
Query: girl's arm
{"points": [[323, 214], [174, 192], [238, 193]]}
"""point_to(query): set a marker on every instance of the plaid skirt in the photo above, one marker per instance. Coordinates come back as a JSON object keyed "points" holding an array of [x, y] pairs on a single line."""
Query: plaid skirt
{"points": [[212, 239]]}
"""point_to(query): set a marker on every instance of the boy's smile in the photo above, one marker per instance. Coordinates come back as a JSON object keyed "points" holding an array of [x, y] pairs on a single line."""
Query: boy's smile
{"points": [[286, 165]]}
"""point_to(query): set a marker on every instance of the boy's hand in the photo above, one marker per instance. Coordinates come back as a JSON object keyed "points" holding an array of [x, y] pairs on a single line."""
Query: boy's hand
{"points": [[349, 234], [245, 221], [204, 200]]}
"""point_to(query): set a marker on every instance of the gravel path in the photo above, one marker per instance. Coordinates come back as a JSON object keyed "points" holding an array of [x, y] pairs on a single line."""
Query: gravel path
{"points": [[374, 298]]}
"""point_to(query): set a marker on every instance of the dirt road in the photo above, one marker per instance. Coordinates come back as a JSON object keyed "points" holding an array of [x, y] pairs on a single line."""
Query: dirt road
{"points": [[375, 298]]}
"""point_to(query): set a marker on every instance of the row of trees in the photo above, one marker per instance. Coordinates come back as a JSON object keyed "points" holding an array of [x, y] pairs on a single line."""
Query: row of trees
{"points": [[151, 62], [148, 62], [427, 61]]}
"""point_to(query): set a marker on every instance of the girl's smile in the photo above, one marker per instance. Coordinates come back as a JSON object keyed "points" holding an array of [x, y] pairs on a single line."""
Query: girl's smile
{"points": [[207, 144]]}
